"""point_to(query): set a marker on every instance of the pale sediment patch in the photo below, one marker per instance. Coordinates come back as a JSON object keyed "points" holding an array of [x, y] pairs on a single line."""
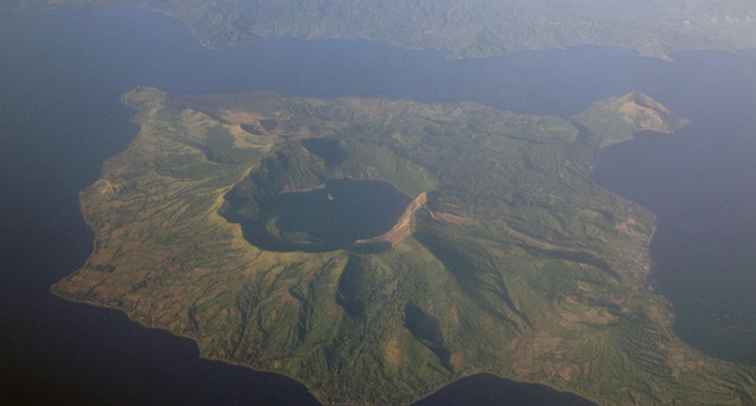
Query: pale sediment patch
{"points": [[403, 227]]}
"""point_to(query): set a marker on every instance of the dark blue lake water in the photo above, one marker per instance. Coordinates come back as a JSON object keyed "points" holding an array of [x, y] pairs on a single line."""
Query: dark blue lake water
{"points": [[331, 217], [61, 76]]}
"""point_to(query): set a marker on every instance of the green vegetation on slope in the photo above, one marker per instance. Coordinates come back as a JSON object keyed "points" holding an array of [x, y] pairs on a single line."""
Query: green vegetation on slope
{"points": [[517, 264], [618, 119]]}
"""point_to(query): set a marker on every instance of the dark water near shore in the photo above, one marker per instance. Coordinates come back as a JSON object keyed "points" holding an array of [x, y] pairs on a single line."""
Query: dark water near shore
{"points": [[701, 184], [60, 118]]}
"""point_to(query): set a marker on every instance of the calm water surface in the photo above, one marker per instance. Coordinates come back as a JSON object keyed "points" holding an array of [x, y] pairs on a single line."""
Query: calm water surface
{"points": [[333, 216], [60, 119]]}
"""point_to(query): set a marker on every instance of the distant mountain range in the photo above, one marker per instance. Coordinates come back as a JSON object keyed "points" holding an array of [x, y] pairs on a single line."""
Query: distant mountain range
{"points": [[471, 28]]}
